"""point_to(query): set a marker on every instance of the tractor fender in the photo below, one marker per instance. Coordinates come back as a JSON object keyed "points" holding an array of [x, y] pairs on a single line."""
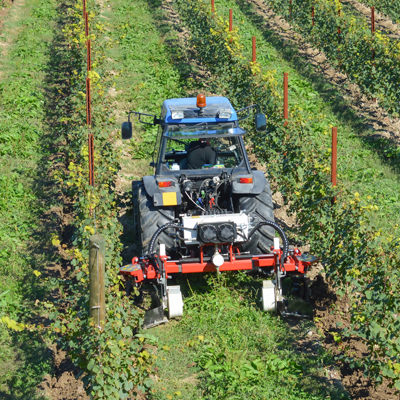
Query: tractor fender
{"points": [[259, 182], [162, 196]]}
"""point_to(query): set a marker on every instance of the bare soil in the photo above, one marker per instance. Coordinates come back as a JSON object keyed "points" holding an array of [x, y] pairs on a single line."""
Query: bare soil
{"points": [[329, 310], [5, 6]]}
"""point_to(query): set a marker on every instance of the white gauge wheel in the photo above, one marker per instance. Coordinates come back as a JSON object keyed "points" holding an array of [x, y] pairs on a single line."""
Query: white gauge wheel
{"points": [[268, 296], [175, 302]]}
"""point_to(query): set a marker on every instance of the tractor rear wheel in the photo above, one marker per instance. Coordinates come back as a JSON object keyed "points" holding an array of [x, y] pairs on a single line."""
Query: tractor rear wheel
{"points": [[260, 206], [147, 219]]}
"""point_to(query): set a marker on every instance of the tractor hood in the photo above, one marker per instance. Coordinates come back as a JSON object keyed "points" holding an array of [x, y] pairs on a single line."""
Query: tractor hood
{"points": [[180, 111]]}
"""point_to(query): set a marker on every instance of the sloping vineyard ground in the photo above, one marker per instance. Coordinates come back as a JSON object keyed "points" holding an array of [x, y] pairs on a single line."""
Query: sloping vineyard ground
{"points": [[328, 81], [382, 21], [387, 7], [320, 99], [224, 345]]}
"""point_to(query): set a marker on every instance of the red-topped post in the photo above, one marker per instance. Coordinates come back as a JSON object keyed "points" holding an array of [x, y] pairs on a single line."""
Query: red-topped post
{"points": [[334, 160], [212, 7], [254, 57], [286, 97], [230, 20]]}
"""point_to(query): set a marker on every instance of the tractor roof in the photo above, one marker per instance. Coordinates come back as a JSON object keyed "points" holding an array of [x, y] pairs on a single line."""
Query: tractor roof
{"points": [[217, 109]]}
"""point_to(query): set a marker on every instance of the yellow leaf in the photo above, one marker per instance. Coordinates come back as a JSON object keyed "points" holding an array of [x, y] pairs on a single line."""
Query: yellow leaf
{"points": [[201, 338], [178, 393], [37, 273]]}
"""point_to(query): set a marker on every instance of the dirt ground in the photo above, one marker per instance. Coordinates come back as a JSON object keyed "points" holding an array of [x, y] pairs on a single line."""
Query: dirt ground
{"points": [[369, 111]]}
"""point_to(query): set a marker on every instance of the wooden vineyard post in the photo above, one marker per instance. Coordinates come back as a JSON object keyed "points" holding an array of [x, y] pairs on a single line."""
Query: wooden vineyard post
{"points": [[212, 7], [97, 303], [84, 8], [286, 97], [230, 20], [334, 161], [254, 56], [290, 9]]}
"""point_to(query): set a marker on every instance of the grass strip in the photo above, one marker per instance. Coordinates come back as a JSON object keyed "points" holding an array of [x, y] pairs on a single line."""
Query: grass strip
{"points": [[26, 195], [226, 347]]}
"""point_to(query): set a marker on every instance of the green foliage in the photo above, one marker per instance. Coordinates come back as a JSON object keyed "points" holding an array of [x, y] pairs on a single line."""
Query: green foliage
{"points": [[113, 361], [387, 7], [358, 257], [352, 50], [24, 358]]}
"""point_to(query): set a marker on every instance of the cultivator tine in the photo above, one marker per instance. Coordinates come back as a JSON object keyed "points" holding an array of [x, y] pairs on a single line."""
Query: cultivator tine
{"points": [[154, 317]]}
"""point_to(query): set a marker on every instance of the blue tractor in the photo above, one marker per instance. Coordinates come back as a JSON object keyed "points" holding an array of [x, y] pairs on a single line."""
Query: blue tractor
{"points": [[202, 174]]}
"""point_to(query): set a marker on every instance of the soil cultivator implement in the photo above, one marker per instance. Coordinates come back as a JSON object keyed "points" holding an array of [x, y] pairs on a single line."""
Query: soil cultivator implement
{"points": [[205, 209]]}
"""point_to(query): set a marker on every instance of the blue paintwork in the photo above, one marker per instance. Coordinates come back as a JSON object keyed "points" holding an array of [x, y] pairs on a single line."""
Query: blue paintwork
{"points": [[190, 102]]}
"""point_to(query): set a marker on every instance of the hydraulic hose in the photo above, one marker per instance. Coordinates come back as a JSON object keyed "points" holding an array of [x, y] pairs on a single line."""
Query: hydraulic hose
{"points": [[280, 231], [159, 231]]}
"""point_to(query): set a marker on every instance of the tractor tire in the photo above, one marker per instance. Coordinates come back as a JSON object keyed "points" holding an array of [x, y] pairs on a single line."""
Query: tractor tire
{"points": [[260, 205], [147, 219]]}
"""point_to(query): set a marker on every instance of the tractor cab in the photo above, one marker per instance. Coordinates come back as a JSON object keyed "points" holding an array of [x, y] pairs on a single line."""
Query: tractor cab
{"points": [[200, 134]]}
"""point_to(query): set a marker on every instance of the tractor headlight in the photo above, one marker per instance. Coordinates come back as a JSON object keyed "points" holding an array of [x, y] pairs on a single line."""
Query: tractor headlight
{"points": [[177, 114], [225, 113]]}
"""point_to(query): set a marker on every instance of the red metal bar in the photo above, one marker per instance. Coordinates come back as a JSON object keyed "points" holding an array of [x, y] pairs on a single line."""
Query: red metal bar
{"points": [[230, 20], [88, 105], [86, 24], [234, 263], [212, 7], [91, 159], [286, 97], [254, 56], [334, 160], [372, 19], [312, 15], [89, 55]]}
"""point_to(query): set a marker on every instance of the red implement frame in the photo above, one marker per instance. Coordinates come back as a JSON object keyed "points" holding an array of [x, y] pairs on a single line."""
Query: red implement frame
{"points": [[233, 262]]}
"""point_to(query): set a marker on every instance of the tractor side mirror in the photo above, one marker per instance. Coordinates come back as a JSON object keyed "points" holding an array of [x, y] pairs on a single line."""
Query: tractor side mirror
{"points": [[260, 122], [126, 131]]}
